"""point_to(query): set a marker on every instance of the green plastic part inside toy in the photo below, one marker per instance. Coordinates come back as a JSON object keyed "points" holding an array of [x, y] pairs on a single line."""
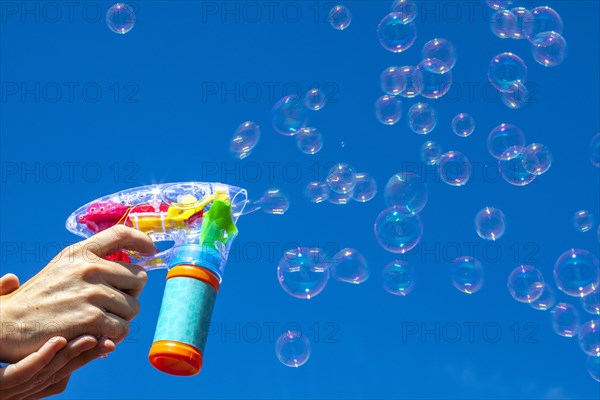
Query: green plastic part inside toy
{"points": [[217, 224]]}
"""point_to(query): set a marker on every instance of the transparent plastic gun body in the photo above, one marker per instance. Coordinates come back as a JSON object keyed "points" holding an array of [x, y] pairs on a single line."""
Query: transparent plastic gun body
{"points": [[199, 218]]}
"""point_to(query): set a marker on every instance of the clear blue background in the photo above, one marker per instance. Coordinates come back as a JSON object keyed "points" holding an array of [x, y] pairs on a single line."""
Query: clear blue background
{"points": [[162, 126]]}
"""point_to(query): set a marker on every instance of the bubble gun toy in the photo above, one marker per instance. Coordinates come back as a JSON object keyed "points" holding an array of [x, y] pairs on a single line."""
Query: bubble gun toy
{"points": [[199, 218]]}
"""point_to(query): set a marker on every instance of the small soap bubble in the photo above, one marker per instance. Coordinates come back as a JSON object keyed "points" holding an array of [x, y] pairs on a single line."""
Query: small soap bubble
{"points": [[398, 232], [289, 115], [442, 50], [431, 152], [245, 138], [422, 118], [583, 221], [365, 188], [407, 192], [395, 34], [274, 201], [463, 125], [303, 272], [340, 17], [546, 301], [467, 274], [292, 349], [398, 278], [120, 18], [341, 178], [516, 97], [388, 110], [505, 142], [504, 24], [549, 49], [490, 223], [350, 266], [454, 168], [506, 69], [576, 272], [309, 140], [436, 78], [591, 302], [314, 99], [565, 320], [589, 337], [540, 20], [526, 284]]}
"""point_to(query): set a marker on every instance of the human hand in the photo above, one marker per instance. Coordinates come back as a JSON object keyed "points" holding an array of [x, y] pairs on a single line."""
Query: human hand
{"points": [[47, 371], [77, 293]]}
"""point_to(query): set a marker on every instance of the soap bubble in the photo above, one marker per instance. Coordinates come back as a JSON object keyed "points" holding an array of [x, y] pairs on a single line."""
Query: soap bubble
{"points": [[565, 320], [245, 138], [398, 278], [289, 116], [540, 20], [454, 168], [436, 76], [340, 17], [396, 231], [595, 150], [549, 49], [422, 118], [467, 274], [388, 110], [576, 272], [317, 192], [490, 223], [593, 367], [463, 125], [350, 266], [546, 301], [406, 8], [341, 178], [365, 188], [503, 24], [513, 171], [292, 349], [526, 284], [591, 302], [410, 81], [120, 18], [498, 4], [431, 152], [583, 220], [516, 96], [396, 35], [442, 50], [589, 337], [274, 201], [521, 15], [407, 192], [314, 99], [537, 158], [505, 69], [505, 142], [303, 273], [391, 81], [309, 140]]}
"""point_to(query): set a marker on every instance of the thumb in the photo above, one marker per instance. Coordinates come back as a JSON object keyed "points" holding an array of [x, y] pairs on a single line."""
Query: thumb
{"points": [[8, 283]]}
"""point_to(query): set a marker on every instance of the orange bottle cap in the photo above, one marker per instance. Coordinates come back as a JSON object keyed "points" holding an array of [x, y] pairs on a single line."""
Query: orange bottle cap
{"points": [[175, 358], [192, 271]]}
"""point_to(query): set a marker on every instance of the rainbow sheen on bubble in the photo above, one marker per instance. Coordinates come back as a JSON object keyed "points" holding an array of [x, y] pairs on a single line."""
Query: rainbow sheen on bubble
{"points": [[525, 284], [303, 272], [583, 221], [289, 115], [589, 337], [292, 349], [406, 192], [398, 278], [431, 152], [505, 142], [546, 301], [467, 274], [309, 140], [365, 187], [120, 18], [454, 168], [422, 118], [565, 320], [396, 231], [463, 125], [442, 50], [549, 49], [244, 139], [490, 223], [388, 110], [436, 78], [316, 192], [395, 34], [350, 266], [340, 17], [503, 24], [341, 178], [576, 272], [506, 69], [314, 99]]}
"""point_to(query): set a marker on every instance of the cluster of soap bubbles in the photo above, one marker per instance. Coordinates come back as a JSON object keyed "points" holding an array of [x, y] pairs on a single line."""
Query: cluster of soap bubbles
{"points": [[519, 164], [342, 185], [290, 115], [542, 27], [120, 18]]}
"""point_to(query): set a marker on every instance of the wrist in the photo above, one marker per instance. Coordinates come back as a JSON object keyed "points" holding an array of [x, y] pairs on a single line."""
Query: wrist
{"points": [[9, 332]]}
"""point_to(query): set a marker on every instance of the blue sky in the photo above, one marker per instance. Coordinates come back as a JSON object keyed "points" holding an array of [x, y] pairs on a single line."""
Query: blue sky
{"points": [[86, 112]]}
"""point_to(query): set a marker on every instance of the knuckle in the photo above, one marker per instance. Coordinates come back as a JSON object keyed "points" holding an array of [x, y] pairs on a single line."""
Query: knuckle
{"points": [[120, 231]]}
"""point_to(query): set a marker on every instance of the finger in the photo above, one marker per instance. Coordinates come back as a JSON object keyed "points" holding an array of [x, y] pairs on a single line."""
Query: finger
{"points": [[129, 278], [104, 347], [24, 370], [8, 283], [119, 303], [115, 328], [119, 237], [51, 390]]}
